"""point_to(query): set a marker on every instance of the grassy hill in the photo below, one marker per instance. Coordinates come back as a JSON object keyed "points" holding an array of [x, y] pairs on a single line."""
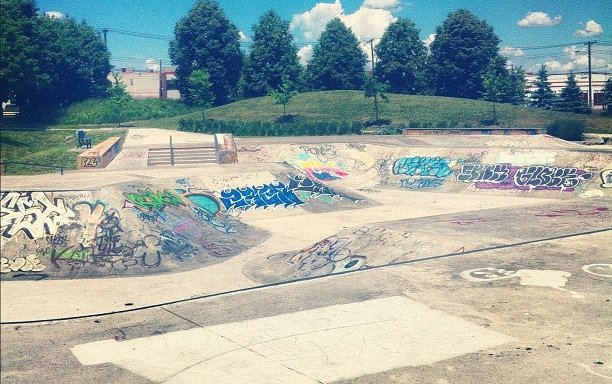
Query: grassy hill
{"points": [[404, 110]]}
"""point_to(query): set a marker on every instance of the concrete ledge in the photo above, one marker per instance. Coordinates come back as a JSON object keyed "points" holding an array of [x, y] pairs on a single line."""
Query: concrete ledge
{"points": [[473, 131], [225, 148], [100, 155]]}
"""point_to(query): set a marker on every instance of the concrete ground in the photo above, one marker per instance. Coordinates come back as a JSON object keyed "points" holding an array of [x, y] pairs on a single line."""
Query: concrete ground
{"points": [[459, 285]]}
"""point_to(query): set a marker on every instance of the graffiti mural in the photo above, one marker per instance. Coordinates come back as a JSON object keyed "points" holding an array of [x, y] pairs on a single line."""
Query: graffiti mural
{"points": [[331, 255], [154, 200], [320, 162], [32, 213], [422, 166], [418, 183], [30, 263], [527, 178], [263, 196], [125, 229], [491, 173], [298, 191]]}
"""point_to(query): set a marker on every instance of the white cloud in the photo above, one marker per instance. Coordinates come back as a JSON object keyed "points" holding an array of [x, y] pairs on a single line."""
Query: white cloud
{"points": [[305, 54], [152, 65], [539, 19], [369, 21], [55, 15], [592, 28], [243, 36], [383, 4], [511, 52], [555, 65], [312, 23], [430, 39]]}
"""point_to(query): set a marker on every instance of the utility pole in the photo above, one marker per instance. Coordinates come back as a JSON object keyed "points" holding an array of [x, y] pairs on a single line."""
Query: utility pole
{"points": [[105, 31], [161, 81], [372, 50], [589, 43]]}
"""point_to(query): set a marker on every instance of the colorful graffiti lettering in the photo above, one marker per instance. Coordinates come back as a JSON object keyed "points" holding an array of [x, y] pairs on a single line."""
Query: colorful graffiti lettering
{"points": [[154, 200], [549, 177], [263, 196], [323, 151], [423, 183], [535, 177], [492, 173], [422, 166], [32, 213], [327, 170]]}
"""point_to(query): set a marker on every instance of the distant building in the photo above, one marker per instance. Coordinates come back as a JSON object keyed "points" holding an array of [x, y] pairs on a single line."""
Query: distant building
{"points": [[149, 84], [558, 82]]}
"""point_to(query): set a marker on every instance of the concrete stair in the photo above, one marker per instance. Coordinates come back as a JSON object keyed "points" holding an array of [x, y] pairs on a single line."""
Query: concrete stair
{"points": [[182, 156]]}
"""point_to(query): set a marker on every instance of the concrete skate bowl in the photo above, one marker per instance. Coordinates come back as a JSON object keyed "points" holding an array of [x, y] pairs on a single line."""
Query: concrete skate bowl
{"points": [[531, 167], [137, 229]]}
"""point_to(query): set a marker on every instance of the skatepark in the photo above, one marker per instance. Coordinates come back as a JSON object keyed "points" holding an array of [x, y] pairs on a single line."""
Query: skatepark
{"points": [[430, 258]]}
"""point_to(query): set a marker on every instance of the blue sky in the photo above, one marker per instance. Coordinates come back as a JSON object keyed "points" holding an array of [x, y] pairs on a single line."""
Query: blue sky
{"points": [[518, 23]]}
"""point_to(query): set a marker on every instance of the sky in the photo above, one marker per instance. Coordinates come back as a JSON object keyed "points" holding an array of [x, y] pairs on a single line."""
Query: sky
{"points": [[532, 32]]}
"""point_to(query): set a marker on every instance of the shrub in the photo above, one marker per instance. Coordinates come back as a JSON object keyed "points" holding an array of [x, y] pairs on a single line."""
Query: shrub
{"points": [[567, 129]]}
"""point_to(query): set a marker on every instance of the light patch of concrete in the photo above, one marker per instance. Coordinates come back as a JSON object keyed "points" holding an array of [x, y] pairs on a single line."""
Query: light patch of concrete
{"points": [[528, 277], [603, 270], [319, 345]]}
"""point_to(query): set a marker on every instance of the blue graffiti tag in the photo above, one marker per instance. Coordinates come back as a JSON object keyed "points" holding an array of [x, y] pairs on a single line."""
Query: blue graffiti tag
{"points": [[422, 166], [263, 196]]}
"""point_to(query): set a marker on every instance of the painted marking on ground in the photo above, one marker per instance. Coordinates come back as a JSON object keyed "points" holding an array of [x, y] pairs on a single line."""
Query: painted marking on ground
{"points": [[319, 345], [530, 277]]}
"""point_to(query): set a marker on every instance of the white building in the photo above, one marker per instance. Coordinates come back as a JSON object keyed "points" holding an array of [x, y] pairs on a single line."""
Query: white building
{"points": [[148, 84], [558, 82]]}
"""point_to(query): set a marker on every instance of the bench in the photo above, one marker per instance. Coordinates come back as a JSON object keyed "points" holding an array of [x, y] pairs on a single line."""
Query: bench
{"points": [[82, 140], [101, 154]]}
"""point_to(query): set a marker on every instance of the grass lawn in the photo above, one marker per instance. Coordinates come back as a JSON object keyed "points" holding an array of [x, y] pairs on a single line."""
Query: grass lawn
{"points": [[47, 147], [404, 110]]}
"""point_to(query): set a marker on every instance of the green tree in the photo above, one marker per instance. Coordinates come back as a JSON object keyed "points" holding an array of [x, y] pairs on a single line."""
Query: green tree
{"points": [[493, 81], [273, 56], [284, 94], [337, 61], [48, 63], [463, 48], [121, 101], [571, 99], [401, 58], [607, 101], [543, 96], [200, 90], [374, 88], [514, 87], [206, 39]]}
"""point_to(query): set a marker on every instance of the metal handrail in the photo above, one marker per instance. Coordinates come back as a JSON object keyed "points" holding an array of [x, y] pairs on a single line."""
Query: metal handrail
{"points": [[4, 165]]}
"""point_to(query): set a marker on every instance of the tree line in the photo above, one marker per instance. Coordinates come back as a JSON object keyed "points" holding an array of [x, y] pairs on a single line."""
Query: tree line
{"points": [[47, 63]]}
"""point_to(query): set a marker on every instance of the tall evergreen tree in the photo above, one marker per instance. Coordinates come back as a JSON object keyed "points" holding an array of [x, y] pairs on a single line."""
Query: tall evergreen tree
{"points": [[607, 101], [571, 99], [205, 39], [272, 58], [401, 58], [543, 96], [463, 48], [514, 87], [337, 61]]}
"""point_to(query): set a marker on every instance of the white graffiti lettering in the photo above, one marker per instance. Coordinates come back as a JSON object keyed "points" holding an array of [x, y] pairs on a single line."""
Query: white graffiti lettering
{"points": [[33, 214]]}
